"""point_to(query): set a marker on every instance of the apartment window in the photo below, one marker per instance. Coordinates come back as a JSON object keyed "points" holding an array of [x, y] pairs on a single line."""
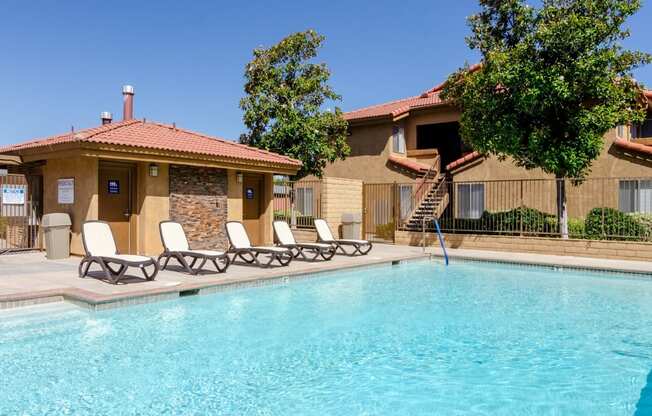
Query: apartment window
{"points": [[635, 196], [304, 201], [398, 139], [642, 131], [470, 200], [405, 201]]}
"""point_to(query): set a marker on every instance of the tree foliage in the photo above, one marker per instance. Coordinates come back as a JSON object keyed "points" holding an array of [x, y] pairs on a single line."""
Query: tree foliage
{"points": [[553, 80], [283, 106]]}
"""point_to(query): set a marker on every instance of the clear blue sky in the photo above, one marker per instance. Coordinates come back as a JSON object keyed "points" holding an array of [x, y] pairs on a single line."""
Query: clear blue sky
{"points": [[63, 62]]}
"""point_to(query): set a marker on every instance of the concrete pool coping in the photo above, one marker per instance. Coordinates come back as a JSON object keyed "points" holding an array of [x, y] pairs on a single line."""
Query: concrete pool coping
{"points": [[32, 287], [99, 295]]}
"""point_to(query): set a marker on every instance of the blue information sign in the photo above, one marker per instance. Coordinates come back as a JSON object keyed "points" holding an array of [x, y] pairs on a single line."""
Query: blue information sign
{"points": [[249, 192], [114, 186]]}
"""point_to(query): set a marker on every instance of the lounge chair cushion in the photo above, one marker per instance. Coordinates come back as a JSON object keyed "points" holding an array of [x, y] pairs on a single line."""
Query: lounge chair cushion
{"points": [[315, 245], [99, 239], [353, 241], [132, 258], [284, 234], [271, 248], [210, 253], [323, 230], [238, 235], [173, 236]]}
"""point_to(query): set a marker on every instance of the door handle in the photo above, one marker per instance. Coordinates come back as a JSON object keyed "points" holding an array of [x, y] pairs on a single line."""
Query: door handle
{"points": [[126, 214]]}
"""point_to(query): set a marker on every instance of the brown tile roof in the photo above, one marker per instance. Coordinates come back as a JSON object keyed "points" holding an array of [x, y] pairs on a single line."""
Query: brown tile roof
{"points": [[409, 164], [464, 159], [151, 135], [636, 147]]}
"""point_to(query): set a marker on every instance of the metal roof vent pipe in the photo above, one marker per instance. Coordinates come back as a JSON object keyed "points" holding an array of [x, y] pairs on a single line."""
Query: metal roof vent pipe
{"points": [[106, 117], [128, 102]]}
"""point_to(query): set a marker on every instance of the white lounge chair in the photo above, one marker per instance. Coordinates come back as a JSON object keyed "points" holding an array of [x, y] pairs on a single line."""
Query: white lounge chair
{"points": [[240, 246], [286, 239], [324, 235], [175, 246], [101, 249]]}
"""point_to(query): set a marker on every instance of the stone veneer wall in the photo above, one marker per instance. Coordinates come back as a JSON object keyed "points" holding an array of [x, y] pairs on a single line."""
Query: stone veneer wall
{"points": [[198, 200]]}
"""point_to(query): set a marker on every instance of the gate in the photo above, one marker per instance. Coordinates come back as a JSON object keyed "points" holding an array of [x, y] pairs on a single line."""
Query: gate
{"points": [[379, 201], [19, 212]]}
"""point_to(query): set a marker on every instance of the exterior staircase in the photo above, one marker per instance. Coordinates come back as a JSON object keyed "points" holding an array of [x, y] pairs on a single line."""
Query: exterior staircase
{"points": [[431, 198]]}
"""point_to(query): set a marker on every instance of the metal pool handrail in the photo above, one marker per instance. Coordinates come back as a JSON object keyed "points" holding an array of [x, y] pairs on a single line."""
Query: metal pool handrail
{"points": [[439, 235]]}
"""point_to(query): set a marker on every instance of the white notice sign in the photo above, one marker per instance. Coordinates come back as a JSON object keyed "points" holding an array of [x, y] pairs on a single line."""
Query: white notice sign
{"points": [[66, 191], [13, 194]]}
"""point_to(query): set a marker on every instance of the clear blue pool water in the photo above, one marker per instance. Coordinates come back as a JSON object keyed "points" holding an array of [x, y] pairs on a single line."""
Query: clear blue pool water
{"points": [[414, 339]]}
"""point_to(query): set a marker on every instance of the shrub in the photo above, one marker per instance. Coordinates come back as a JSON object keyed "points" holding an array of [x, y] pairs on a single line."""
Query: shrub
{"points": [[611, 224], [385, 231], [576, 228], [522, 219]]}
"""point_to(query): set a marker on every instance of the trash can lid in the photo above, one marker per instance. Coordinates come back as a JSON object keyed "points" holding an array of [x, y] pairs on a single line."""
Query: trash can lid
{"points": [[349, 217], [56, 220]]}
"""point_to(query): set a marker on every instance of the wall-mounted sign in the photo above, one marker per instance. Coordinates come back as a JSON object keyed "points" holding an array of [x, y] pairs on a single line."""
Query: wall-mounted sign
{"points": [[114, 186], [66, 191], [249, 193], [4, 172], [13, 194]]}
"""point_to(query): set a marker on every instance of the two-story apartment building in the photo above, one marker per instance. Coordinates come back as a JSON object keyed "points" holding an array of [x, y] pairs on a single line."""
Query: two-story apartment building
{"points": [[414, 139]]}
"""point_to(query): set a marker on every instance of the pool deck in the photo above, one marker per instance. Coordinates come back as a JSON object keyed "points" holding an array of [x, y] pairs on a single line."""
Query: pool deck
{"points": [[29, 278]]}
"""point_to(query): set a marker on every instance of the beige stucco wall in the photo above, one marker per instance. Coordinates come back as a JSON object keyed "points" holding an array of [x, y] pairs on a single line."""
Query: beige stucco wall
{"points": [[84, 170], [621, 250], [371, 146], [435, 115], [234, 201], [153, 206], [340, 196]]}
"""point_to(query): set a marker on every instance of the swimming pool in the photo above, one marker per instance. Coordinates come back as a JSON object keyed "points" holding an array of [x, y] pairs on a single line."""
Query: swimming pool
{"points": [[417, 338]]}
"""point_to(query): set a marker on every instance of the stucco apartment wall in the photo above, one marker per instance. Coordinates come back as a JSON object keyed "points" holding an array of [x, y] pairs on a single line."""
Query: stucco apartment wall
{"points": [[84, 170], [371, 146], [599, 190], [442, 114], [621, 250]]}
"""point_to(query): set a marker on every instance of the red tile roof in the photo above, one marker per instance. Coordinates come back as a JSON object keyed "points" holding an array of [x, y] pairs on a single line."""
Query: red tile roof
{"points": [[464, 159], [429, 98], [396, 108], [150, 135], [636, 147], [409, 164]]}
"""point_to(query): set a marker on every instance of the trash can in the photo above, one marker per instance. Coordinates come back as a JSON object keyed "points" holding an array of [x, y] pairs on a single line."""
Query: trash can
{"points": [[56, 232], [351, 225]]}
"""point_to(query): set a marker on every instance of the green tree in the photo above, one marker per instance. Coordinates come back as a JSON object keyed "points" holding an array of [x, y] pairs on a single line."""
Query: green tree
{"points": [[283, 106], [552, 81]]}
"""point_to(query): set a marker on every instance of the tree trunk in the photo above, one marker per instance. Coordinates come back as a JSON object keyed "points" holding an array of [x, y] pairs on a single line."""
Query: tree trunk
{"points": [[562, 208]]}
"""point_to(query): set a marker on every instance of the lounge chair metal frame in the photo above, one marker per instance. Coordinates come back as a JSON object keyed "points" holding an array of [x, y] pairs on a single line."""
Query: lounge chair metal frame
{"points": [[326, 251], [113, 275], [250, 254], [180, 256], [361, 247]]}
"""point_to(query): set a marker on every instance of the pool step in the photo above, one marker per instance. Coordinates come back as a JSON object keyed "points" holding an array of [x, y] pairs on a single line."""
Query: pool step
{"points": [[24, 322]]}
